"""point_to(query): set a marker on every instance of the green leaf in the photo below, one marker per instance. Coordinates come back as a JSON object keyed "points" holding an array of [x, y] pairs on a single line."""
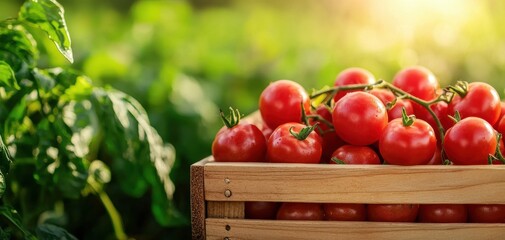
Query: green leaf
{"points": [[53, 232], [143, 159], [48, 15], [13, 217], [17, 47], [3, 185], [5, 163], [7, 77]]}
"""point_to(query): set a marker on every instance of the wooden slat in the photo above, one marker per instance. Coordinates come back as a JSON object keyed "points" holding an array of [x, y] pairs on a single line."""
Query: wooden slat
{"points": [[225, 209], [354, 183], [293, 230], [198, 199]]}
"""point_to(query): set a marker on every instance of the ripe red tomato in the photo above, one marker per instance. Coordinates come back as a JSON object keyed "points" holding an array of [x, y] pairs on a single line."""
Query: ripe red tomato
{"points": [[392, 212], [280, 102], [359, 118], [284, 147], [350, 154], [386, 97], [330, 139], [344, 211], [239, 142], [470, 141], [440, 110], [442, 213], [418, 81], [481, 100], [502, 112], [407, 145], [351, 76], [261, 210], [500, 126], [437, 157], [486, 213], [300, 211]]}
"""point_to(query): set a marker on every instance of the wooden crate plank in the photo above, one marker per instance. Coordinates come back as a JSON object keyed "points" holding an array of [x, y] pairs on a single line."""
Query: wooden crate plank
{"points": [[354, 183], [225, 209], [293, 230], [197, 200]]}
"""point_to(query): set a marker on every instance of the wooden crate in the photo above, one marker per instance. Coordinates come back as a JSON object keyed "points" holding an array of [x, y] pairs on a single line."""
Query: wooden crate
{"points": [[218, 192]]}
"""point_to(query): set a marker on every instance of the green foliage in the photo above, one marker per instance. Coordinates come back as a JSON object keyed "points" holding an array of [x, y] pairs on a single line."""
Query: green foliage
{"points": [[56, 124]]}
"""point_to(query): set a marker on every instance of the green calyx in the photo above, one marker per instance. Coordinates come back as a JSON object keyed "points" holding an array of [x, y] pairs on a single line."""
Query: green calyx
{"points": [[407, 120], [304, 132], [232, 119]]}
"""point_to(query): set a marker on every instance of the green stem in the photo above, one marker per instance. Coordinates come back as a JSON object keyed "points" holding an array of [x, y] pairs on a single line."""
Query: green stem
{"points": [[334, 90], [425, 104], [114, 215]]}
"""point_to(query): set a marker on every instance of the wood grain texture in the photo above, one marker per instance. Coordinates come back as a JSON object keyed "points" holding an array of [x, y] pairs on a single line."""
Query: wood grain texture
{"points": [[293, 230], [197, 201], [225, 209], [354, 183]]}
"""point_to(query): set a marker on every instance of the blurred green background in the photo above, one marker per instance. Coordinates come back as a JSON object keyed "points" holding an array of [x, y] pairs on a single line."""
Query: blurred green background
{"points": [[183, 60]]}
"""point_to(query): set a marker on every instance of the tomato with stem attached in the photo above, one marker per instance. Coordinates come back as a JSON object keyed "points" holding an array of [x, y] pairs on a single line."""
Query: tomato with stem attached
{"points": [[480, 100], [470, 141], [407, 141], [294, 143], [281, 102], [238, 142]]}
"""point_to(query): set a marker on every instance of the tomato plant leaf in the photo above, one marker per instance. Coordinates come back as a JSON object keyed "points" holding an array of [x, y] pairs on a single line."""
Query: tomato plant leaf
{"points": [[146, 160], [48, 15], [7, 77], [52, 232], [18, 48], [14, 219], [5, 162]]}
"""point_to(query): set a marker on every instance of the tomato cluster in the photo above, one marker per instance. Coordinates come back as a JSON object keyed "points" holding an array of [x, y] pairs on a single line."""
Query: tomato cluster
{"points": [[359, 120]]}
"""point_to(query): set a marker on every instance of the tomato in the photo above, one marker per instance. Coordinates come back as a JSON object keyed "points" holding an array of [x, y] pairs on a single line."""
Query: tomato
{"points": [[350, 154], [330, 139], [502, 112], [289, 144], [392, 212], [440, 110], [402, 144], [470, 141], [418, 81], [486, 213], [500, 126], [481, 100], [442, 213], [387, 97], [238, 142], [359, 118], [261, 210], [344, 211], [351, 76], [436, 159], [300, 211], [281, 102]]}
